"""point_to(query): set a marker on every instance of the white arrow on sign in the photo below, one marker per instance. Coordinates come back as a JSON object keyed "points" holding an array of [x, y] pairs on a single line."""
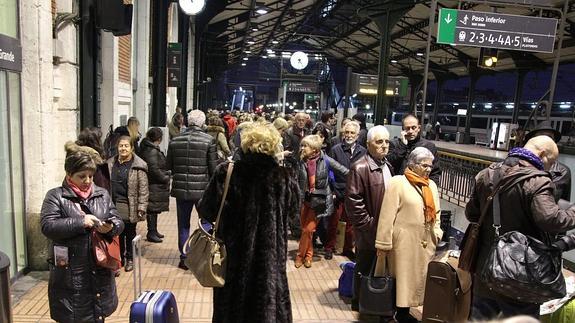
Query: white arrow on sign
{"points": [[448, 19]]}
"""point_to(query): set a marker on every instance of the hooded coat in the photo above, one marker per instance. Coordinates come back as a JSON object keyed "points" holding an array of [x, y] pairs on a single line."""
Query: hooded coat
{"points": [[81, 291], [158, 177], [219, 134], [137, 187], [261, 197]]}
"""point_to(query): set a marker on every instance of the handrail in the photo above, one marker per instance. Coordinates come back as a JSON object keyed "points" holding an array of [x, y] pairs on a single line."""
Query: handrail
{"points": [[458, 176]]}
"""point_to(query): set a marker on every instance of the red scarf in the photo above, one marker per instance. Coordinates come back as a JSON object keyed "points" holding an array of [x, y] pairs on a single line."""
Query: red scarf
{"points": [[311, 169], [428, 202], [81, 194]]}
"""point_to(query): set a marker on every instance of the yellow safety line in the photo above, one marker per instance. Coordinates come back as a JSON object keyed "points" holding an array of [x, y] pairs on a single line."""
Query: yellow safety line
{"points": [[470, 159]]}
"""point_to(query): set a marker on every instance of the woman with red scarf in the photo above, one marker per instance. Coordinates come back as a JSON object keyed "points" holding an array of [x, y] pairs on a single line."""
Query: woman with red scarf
{"points": [[408, 230], [317, 195], [79, 290]]}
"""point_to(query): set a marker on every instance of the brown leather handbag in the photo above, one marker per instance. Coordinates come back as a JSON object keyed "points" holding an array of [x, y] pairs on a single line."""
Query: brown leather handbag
{"points": [[106, 251]]}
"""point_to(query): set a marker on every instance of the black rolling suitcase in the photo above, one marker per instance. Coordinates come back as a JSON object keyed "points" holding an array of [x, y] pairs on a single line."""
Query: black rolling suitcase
{"points": [[447, 291]]}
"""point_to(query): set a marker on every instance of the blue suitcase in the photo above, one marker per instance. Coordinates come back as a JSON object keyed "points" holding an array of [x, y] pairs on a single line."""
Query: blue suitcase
{"points": [[155, 306], [345, 286]]}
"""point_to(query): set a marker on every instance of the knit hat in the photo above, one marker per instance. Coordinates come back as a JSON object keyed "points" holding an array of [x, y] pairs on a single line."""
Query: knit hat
{"points": [[196, 118]]}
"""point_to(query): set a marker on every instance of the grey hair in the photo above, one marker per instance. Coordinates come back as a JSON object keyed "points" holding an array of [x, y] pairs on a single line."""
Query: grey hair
{"points": [[353, 124], [419, 154], [377, 129]]}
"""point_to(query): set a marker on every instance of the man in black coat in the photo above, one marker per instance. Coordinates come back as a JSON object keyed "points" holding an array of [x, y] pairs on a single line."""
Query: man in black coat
{"points": [[192, 158], [400, 148], [346, 154], [560, 173], [295, 134]]}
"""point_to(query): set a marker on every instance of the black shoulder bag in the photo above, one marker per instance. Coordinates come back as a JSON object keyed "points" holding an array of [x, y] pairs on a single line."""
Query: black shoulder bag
{"points": [[521, 267]]}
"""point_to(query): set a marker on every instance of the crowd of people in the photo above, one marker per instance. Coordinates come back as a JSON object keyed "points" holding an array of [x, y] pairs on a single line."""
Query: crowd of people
{"points": [[292, 177]]}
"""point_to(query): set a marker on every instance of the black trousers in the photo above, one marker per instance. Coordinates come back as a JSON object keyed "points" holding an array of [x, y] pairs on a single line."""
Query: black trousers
{"points": [[364, 262], [126, 238]]}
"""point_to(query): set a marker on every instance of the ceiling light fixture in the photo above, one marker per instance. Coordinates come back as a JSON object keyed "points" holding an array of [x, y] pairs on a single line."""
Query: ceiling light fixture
{"points": [[394, 61], [247, 51], [264, 56], [243, 64], [262, 10], [419, 54], [245, 58], [275, 42], [250, 42], [255, 29]]}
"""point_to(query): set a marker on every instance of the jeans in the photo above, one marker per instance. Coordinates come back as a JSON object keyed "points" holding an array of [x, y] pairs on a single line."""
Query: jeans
{"points": [[483, 308], [184, 208]]}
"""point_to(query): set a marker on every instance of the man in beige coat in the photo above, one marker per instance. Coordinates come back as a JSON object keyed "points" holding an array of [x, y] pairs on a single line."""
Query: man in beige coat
{"points": [[408, 230]]}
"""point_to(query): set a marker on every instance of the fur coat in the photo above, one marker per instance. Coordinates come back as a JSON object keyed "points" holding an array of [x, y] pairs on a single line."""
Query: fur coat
{"points": [[261, 197]]}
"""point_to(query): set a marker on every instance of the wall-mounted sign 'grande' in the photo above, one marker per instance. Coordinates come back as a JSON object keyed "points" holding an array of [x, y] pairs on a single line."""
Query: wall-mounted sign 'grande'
{"points": [[493, 30], [10, 54]]}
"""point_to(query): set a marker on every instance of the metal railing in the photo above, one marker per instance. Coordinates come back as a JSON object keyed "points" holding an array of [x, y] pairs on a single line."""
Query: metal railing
{"points": [[458, 176]]}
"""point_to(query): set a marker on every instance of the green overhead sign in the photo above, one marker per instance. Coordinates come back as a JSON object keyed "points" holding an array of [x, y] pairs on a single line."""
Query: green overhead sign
{"points": [[494, 30]]}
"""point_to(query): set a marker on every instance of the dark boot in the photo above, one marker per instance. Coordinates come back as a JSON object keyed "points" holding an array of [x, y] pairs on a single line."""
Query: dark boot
{"points": [[152, 235]]}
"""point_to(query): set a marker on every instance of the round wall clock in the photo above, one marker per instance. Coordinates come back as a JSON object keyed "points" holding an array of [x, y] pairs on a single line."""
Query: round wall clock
{"points": [[192, 7], [298, 60]]}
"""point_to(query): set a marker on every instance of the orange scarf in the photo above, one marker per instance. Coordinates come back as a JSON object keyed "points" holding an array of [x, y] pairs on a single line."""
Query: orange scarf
{"points": [[423, 183]]}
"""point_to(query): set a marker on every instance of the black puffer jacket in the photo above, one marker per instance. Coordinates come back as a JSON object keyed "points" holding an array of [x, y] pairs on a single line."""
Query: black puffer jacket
{"points": [[340, 154], [321, 180], [80, 292], [158, 177], [192, 158]]}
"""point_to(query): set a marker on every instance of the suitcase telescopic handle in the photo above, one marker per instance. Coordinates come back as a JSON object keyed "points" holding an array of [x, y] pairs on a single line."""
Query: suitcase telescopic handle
{"points": [[137, 252]]}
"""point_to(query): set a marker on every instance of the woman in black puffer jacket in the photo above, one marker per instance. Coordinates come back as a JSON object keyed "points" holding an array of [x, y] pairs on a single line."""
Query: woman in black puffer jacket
{"points": [[78, 290], [158, 181]]}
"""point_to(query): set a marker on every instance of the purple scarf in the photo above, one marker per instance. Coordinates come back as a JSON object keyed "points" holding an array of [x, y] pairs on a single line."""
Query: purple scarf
{"points": [[527, 155]]}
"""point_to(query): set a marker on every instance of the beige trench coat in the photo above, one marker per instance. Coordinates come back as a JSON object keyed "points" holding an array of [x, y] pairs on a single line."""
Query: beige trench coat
{"points": [[410, 243]]}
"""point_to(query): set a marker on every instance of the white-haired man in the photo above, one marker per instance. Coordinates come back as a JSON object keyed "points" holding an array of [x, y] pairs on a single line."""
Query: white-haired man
{"points": [[366, 183], [192, 158], [345, 153]]}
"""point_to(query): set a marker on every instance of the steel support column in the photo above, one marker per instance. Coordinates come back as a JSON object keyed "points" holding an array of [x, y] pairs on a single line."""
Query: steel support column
{"points": [[440, 83], [159, 53], [470, 100], [183, 38], [385, 14], [427, 51], [557, 58], [415, 85], [88, 66], [347, 102], [518, 94]]}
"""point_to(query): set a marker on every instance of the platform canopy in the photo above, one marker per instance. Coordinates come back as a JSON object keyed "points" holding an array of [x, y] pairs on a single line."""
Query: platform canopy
{"points": [[341, 30]]}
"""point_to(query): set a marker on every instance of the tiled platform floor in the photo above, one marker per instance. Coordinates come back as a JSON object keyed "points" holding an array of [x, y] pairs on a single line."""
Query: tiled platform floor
{"points": [[313, 291]]}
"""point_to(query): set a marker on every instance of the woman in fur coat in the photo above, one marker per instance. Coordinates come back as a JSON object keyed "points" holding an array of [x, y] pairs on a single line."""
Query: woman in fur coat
{"points": [[253, 225]]}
